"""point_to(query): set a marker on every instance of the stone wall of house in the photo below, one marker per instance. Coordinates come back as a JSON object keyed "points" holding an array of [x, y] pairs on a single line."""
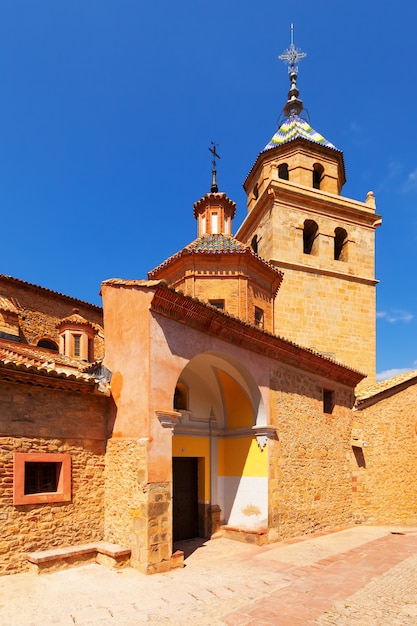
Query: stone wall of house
{"points": [[32, 527], [310, 473], [384, 471], [35, 419], [138, 514], [41, 309]]}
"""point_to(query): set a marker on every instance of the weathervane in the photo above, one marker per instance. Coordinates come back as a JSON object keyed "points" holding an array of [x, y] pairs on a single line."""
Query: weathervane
{"points": [[214, 187], [292, 55]]}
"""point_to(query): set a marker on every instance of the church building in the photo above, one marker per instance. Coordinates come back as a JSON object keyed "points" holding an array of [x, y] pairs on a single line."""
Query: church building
{"points": [[231, 393]]}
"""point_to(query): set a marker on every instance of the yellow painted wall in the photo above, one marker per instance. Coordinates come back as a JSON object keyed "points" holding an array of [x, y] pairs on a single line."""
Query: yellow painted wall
{"points": [[197, 447], [238, 406], [241, 457]]}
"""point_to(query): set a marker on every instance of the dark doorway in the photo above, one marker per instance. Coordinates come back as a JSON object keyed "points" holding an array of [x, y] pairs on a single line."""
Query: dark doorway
{"points": [[185, 497]]}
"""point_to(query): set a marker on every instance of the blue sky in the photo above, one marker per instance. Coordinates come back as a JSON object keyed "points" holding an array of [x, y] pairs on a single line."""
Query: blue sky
{"points": [[107, 110]]}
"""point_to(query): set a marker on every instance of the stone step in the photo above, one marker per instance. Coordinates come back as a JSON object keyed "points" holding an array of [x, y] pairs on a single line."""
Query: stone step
{"points": [[108, 554]]}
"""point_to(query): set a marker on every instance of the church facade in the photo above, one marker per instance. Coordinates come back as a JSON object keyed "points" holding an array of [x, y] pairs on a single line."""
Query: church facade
{"points": [[230, 393]]}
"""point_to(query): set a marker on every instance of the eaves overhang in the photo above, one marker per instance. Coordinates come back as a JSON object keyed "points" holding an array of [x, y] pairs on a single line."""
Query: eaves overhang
{"points": [[42, 368]]}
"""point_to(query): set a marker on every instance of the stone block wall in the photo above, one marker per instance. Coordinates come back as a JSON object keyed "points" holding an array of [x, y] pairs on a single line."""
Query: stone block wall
{"points": [[331, 315], [38, 419], [33, 527], [138, 514], [384, 471], [310, 473]]}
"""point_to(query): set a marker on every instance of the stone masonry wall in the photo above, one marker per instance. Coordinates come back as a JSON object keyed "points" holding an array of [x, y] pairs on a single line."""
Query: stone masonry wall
{"points": [[26, 528], [44, 420], [383, 476], [137, 513], [310, 478]]}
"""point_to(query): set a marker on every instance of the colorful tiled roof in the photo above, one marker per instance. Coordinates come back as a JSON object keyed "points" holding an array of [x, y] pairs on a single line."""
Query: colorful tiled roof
{"points": [[216, 244], [295, 127], [212, 244], [384, 385]]}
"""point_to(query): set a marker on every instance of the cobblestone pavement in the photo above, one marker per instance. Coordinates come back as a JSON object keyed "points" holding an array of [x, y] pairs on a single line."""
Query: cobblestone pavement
{"points": [[363, 576]]}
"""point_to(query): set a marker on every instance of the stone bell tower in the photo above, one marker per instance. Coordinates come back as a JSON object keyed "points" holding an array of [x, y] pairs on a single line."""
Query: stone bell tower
{"points": [[300, 223]]}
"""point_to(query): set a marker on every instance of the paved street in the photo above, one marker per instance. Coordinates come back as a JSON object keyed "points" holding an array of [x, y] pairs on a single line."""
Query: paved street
{"points": [[358, 576]]}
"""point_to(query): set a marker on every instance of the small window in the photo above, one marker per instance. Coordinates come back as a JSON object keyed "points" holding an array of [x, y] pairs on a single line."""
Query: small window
{"points": [[340, 244], [48, 344], [259, 317], [283, 171], [318, 171], [77, 345], [91, 350], [214, 223], [219, 304], [254, 244], [181, 397], [328, 401], [256, 191], [310, 234], [41, 477]]}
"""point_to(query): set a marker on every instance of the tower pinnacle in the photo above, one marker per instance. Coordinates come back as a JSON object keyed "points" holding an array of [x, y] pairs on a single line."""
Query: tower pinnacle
{"points": [[291, 55], [214, 187]]}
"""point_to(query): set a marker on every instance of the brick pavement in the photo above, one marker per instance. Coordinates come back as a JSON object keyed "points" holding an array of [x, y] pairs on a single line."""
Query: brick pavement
{"points": [[362, 575]]}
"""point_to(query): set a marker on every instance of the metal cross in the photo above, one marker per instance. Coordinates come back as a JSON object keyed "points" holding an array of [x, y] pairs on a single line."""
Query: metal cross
{"points": [[292, 54], [214, 152]]}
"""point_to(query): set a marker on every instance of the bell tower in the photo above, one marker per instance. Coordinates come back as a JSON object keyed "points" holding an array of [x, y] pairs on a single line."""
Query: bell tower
{"points": [[323, 242]]}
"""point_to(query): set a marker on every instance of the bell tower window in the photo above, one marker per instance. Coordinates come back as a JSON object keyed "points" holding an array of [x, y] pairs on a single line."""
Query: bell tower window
{"points": [[318, 171], [340, 244], [310, 234], [283, 171], [254, 244]]}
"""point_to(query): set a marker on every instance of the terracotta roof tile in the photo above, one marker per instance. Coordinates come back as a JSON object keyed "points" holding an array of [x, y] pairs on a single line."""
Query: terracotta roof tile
{"points": [[33, 358], [19, 281], [384, 385], [7, 305], [213, 244]]}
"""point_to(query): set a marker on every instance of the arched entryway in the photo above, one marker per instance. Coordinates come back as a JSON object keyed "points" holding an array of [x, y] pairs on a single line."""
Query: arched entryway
{"points": [[220, 472]]}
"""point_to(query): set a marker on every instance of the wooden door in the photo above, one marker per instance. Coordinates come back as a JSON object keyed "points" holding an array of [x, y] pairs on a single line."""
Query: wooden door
{"points": [[185, 497]]}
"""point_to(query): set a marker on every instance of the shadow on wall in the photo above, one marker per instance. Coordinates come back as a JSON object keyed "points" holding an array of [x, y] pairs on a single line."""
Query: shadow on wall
{"points": [[359, 456]]}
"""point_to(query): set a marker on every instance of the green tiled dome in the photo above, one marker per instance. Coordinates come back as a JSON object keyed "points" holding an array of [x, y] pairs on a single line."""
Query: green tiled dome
{"points": [[216, 243]]}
